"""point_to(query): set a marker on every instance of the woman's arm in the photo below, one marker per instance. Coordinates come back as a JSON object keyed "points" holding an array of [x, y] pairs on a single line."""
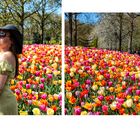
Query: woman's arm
{"points": [[3, 79]]}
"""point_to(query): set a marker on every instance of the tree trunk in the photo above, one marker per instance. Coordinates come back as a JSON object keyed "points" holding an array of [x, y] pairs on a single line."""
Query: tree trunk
{"points": [[70, 29], [22, 21], [120, 32], [131, 36], [75, 35]]}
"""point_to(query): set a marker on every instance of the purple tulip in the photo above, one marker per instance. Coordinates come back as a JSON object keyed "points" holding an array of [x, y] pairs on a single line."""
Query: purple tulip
{"points": [[90, 113], [129, 90], [85, 96], [77, 93], [87, 87], [82, 103], [29, 102], [100, 97]]}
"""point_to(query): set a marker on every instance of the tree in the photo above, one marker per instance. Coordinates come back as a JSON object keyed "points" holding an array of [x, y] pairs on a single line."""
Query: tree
{"points": [[132, 16], [18, 10], [42, 17]]}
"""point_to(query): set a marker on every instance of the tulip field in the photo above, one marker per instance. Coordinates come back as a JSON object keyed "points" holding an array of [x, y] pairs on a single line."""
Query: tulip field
{"points": [[101, 82], [38, 86]]}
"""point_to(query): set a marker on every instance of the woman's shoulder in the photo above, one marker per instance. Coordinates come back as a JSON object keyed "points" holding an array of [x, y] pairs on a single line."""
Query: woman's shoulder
{"points": [[9, 57]]}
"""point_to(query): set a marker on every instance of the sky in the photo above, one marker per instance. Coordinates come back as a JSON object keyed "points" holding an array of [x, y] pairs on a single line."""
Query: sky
{"points": [[89, 18]]}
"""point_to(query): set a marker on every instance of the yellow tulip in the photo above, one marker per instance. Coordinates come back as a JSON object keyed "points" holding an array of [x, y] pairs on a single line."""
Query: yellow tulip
{"points": [[54, 82], [94, 87], [129, 103], [68, 95], [113, 105], [50, 111], [55, 96], [84, 113], [73, 69], [36, 111], [29, 91], [80, 71], [71, 74], [12, 82], [101, 77], [23, 112]]}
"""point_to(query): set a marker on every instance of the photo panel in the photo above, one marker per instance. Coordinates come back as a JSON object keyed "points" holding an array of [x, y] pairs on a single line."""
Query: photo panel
{"points": [[102, 63], [36, 89]]}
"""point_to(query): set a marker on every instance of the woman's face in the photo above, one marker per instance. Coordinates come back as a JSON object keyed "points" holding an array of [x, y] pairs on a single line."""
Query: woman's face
{"points": [[5, 41]]}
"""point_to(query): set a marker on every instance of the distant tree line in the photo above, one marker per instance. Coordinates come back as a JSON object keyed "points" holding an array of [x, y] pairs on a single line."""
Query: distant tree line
{"points": [[38, 20], [114, 31]]}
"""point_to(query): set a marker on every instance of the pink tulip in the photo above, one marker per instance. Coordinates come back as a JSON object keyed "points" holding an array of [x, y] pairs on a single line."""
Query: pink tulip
{"points": [[60, 97], [107, 76], [133, 77], [137, 92], [44, 96], [49, 76], [41, 86], [118, 105], [28, 86], [127, 74], [37, 73], [110, 84], [17, 91], [88, 81], [42, 80], [21, 83], [42, 107], [24, 95], [76, 84], [97, 113], [104, 108]]}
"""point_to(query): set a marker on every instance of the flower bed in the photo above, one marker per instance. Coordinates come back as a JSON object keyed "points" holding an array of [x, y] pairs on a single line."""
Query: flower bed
{"points": [[101, 82], [38, 86]]}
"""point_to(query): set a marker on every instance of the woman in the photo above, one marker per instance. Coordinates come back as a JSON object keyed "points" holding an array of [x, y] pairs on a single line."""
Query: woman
{"points": [[10, 45]]}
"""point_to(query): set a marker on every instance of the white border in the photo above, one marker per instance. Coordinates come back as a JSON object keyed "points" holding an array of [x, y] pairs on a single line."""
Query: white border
{"points": [[63, 61], [101, 5]]}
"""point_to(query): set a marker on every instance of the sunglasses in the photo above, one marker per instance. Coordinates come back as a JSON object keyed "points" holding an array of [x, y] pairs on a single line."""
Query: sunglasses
{"points": [[3, 34]]}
